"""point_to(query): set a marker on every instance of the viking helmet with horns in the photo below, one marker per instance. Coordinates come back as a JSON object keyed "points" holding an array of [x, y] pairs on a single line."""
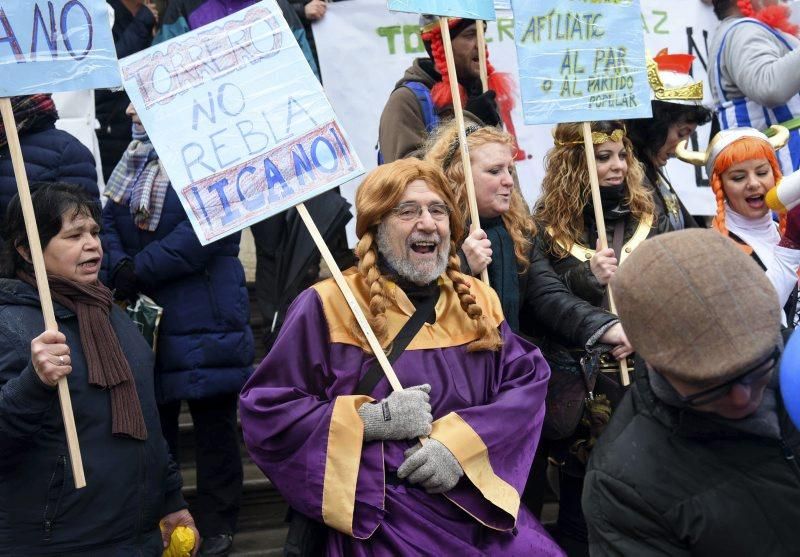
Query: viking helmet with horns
{"points": [[723, 139]]}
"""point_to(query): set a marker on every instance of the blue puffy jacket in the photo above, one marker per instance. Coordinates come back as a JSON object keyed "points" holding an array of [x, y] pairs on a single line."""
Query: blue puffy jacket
{"points": [[205, 345], [50, 155]]}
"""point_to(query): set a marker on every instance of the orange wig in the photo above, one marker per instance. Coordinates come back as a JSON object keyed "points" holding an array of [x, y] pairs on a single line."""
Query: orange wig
{"points": [[746, 148]]}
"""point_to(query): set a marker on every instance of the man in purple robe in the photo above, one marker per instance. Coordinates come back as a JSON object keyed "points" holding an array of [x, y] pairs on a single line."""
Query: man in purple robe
{"points": [[354, 462]]}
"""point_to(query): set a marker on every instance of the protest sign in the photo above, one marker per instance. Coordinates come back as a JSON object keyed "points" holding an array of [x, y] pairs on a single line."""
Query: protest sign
{"points": [[239, 120], [365, 49], [57, 45], [581, 61], [472, 9]]}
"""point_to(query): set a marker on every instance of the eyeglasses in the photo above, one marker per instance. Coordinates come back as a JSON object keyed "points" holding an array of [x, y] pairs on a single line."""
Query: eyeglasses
{"points": [[749, 377], [413, 211]]}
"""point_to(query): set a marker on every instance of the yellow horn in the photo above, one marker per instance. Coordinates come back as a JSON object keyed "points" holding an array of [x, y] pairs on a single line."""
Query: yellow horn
{"points": [[780, 138], [696, 158]]}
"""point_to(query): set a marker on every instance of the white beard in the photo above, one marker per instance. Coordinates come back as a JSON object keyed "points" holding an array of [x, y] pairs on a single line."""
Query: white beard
{"points": [[421, 274]]}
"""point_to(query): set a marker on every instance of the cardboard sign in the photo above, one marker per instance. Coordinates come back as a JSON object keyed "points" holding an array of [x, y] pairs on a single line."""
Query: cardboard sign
{"points": [[581, 61], [239, 120], [380, 45], [472, 9], [48, 46]]}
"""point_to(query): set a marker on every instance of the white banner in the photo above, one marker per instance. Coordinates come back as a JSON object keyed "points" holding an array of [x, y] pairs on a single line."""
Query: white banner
{"points": [[364, 50]]}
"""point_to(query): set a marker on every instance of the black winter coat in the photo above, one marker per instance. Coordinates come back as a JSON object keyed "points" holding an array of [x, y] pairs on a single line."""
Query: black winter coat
{"points": [[130, 484], [563, 315], [667, 482]]}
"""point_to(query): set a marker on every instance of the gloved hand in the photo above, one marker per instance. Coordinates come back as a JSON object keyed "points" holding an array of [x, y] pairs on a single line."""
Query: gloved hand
{"points": [[402, 415], [791, 236], [124, 282], [431, 465], [484, 106]]}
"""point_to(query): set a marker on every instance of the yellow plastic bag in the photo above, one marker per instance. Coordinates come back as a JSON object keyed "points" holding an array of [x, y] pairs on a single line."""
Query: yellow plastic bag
{"points": [[181, 543]]}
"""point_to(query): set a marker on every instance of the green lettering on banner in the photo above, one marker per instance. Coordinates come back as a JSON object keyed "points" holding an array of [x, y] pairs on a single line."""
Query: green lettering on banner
{"points": [[390, 33], [412, 32]]}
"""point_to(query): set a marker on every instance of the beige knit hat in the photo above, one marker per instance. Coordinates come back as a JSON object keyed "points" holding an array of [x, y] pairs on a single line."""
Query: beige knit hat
{"points": [[695, 306]]}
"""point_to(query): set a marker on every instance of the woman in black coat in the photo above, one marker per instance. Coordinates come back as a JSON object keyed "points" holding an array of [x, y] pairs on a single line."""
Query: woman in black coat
{"points": [[677, 112], [131, 482], [575, 331]]}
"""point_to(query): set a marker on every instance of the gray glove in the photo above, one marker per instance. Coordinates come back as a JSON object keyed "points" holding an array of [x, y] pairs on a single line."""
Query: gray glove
{"points": [[431, 465], [402, 415]]}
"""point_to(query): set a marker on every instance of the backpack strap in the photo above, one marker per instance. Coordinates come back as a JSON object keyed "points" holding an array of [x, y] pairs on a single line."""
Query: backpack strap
{"points": [[423, 94], [429, 115]]}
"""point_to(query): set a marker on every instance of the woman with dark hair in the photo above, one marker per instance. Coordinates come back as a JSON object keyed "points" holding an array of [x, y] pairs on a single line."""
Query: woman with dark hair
{"points": [[132, 483], [677, 113], [581, 340]]}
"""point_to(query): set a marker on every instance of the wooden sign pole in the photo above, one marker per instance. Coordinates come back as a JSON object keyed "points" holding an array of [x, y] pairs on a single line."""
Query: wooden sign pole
{"points": [[482, 55], [601, 224], [37, 258], [374, 344], [444, 26]]}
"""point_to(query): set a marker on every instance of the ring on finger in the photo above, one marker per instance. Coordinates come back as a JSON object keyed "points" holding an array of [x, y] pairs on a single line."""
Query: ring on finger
{"points": [[61, 360]]}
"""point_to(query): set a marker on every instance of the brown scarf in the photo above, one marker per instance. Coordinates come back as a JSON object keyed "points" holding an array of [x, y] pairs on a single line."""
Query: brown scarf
{"points": [[108, 367]]}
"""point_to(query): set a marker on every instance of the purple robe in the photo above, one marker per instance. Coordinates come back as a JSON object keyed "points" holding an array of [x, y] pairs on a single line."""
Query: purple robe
{"points": [[302, 428]]}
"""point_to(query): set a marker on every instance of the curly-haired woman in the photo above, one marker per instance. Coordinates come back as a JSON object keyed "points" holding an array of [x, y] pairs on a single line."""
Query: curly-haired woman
{"points": [[502, 244], [574, 328]]}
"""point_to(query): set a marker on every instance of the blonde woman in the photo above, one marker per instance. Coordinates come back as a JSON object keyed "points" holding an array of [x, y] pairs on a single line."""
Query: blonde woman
{"points": [[503, 242]]}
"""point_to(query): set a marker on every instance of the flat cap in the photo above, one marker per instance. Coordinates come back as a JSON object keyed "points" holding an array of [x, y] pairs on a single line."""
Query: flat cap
{"points": [[695, 306]]}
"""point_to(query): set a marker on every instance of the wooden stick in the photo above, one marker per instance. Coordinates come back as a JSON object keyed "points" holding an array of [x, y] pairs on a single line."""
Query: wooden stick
{"points": [[376, 347], [472, 202], [482, 55], [600, 222], [35, 245]]}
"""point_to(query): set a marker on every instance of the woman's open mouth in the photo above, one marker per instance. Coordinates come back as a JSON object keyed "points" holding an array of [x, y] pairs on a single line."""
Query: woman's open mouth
{"points": [[90, 265], [755, 201]]}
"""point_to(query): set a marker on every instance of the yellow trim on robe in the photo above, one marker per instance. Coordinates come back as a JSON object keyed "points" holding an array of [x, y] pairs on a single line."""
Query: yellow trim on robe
{"points": [[342, 461], [473, 456], [452, 328]]}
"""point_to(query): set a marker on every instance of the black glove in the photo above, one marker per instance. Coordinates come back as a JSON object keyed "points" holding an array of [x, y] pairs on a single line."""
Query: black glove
{"points": [[124, 282], [484, 106]]}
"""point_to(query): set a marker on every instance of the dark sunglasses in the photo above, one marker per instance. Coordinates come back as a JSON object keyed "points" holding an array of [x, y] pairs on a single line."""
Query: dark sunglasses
{"points": [[749, 377]]}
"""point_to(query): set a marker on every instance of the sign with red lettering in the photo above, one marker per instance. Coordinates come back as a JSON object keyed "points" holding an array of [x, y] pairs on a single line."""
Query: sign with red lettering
{"points": [[48, 46], [239, 120]]}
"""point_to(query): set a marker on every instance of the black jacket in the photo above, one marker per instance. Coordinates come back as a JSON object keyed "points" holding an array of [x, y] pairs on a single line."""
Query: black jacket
{"points": [[562, 310], [130, 484], [667, 482]]}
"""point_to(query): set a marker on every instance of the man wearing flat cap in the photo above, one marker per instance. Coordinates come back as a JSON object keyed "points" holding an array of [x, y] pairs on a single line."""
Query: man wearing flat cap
{"points": [[700, 458]]}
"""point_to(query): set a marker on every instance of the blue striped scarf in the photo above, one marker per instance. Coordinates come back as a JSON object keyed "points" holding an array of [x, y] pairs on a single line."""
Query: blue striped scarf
{"points": [[139, 181]]}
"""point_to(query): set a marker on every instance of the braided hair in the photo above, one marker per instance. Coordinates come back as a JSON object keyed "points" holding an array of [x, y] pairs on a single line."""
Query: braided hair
{"points": [[380, 191], [743, 149], [499, 82]]}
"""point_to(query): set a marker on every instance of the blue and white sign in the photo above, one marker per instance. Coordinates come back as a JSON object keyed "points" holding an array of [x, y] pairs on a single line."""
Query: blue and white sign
{"points": [[472, 9], [581, 60], [49, 46], [239, 120]]}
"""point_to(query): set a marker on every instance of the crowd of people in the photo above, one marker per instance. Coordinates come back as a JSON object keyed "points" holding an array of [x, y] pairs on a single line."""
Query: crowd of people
{"points": [[510, 388]]}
